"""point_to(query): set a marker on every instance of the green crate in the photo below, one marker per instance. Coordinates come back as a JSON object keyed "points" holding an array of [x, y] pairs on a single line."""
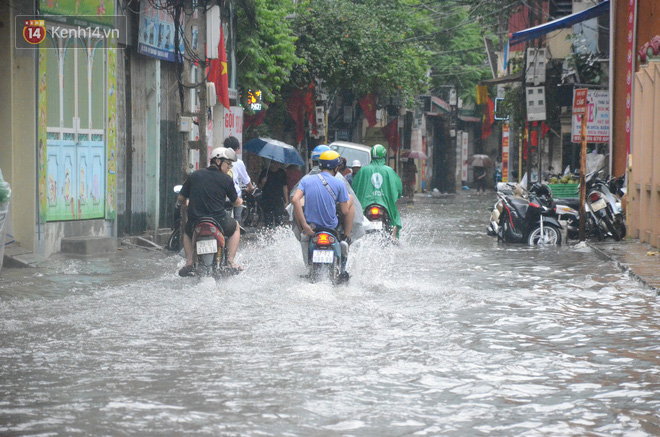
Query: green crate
{"points": [[564, 190]]}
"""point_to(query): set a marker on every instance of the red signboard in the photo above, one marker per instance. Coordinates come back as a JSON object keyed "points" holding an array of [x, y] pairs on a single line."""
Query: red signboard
{"points": [[505, 152], [580, 101]]}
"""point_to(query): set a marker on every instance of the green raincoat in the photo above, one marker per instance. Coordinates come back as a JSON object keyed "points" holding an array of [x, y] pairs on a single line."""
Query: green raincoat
{"points": [[379, 183]]}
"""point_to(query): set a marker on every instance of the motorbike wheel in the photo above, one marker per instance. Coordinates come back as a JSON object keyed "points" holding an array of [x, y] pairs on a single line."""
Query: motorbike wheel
{"points": [[174, 243], [503, 228], [205, 263], [551, 236], [325, 272], [320, 272], [616, 234]]}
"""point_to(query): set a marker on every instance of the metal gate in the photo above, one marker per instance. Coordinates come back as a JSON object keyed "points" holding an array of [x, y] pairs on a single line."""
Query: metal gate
{"points": [[76, 102]]}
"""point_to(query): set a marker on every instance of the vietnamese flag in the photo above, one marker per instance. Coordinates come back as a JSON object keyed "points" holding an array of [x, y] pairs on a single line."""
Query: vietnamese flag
{"points": [[488, 120], [218, 73], [391, 132], [295, 107], [368, 105], [309, 103]]}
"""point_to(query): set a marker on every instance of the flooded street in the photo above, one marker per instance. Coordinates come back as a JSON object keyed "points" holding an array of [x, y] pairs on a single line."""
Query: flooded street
{"points": [[449, 334]]}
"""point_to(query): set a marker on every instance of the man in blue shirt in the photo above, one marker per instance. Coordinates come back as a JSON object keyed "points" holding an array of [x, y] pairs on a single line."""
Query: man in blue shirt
{"points": [[321, 193]]}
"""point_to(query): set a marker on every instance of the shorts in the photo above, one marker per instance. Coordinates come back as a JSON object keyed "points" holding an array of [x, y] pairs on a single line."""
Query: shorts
{"points": [[227, 224]]}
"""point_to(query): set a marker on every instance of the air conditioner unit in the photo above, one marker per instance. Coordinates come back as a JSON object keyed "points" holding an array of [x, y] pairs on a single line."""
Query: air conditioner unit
{"points": [[320, 116], [211, 97]]}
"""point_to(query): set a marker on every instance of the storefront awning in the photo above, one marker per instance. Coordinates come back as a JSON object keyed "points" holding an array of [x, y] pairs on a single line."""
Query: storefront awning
{"points": [[567, 21], [440, 104]]}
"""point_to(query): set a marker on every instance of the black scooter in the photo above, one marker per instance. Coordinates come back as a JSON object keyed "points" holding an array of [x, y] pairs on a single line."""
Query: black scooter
{"points": [[532, 221], [174, 242]]}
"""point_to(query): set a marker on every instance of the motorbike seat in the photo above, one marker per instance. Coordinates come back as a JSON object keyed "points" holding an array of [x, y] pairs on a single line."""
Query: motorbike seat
{"points": [[211, 220], [570, 202], [521, 205], [333, 232]]}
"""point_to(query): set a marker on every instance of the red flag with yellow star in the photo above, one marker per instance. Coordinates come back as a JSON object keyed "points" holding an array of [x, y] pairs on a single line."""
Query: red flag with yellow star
{"points": [[218, 74], [368, 105]]}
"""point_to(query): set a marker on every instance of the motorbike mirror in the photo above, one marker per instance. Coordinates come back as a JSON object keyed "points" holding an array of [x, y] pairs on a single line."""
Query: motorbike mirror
{"points": [[177, 188]]}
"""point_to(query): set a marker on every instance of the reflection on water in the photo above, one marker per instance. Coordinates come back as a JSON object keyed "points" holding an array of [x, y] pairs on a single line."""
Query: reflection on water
{"points": [[448, 333]]}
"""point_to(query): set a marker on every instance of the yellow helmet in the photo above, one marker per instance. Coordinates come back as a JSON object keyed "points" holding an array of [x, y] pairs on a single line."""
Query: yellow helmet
{"points": [[329, 159]]}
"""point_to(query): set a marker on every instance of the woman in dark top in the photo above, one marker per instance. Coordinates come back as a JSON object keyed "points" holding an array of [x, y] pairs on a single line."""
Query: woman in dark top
{"points": [[275, 197]]}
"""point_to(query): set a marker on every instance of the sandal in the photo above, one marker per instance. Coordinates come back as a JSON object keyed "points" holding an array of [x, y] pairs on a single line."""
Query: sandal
{"points": [[186, 271]]}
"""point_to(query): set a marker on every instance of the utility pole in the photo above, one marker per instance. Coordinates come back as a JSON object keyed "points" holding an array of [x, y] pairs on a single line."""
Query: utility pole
{"points": [[193, 80]]}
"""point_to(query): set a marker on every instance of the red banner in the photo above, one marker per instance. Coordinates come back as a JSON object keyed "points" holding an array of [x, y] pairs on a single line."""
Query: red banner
{"points": [[505, 152]]}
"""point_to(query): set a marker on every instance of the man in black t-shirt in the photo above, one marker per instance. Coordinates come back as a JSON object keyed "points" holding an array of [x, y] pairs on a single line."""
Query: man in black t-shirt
{"points": [[275, 193], [207, 190]]}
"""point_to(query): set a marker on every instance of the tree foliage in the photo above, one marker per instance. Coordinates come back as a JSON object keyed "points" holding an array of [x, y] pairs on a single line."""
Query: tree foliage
{"points": [[461, 60], [266, 48], [362, 46]]}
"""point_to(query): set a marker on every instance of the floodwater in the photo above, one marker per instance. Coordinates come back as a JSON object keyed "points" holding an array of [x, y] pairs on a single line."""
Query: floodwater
{"points": [[450, 333]]}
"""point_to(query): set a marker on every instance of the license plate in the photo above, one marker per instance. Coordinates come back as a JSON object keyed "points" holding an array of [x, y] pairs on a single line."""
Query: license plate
{"points": [[207, 246], [323, 256], [377, 225], [598, 205]]}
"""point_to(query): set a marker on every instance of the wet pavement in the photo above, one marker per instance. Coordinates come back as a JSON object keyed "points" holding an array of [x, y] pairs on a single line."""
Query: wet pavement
{"points": [[640, 260], [449, 333]]}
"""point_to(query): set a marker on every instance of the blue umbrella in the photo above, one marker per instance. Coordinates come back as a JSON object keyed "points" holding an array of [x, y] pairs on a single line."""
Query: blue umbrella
{"points": [[275, 150]]}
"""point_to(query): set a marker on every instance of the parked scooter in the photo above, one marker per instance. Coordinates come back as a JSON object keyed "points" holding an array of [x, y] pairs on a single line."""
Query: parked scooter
{"points": [[174, 242], [605, 205], [327, 257], [568, 211], [532, 221], [252, 213], [604, 217]]}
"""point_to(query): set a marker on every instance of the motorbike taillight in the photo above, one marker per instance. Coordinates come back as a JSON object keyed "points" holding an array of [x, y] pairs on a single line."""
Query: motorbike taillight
{"points": [[323, 239], [206, 229], [593, 197], [374, 212]]}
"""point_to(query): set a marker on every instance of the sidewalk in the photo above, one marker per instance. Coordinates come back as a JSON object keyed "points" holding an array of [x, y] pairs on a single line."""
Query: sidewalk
{"points": [[640, 260]]}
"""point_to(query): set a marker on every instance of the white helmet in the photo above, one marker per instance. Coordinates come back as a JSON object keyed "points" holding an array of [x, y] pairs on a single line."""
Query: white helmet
{"points": [[356, 163], [223, 153]]}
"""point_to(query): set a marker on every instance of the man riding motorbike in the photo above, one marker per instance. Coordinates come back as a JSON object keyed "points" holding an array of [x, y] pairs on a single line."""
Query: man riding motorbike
{"points": [[207, 190], [322, 193], [379, 183], [355, 206]]}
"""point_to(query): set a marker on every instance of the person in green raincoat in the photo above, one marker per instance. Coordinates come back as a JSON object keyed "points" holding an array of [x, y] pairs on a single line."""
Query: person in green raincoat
{"points": [[379, 183]]}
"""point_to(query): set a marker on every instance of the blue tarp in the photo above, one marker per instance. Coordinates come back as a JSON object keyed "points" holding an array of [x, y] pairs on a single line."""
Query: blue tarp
{"points": [[567, 21]]}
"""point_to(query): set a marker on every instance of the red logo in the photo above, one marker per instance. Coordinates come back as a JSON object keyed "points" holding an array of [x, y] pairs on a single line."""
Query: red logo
{"points": [[34, 31]]}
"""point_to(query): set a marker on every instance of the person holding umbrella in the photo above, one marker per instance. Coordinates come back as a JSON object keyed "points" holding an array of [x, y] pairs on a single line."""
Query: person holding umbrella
{"points": [[409, 178], [480, 163], [272, 180], [275, 197]]}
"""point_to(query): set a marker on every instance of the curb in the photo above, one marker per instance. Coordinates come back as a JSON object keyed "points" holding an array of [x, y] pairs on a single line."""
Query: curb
{"points": [[624, 268]]}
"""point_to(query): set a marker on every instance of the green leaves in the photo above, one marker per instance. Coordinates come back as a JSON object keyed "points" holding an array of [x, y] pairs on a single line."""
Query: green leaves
{"points": [[361, 47], [265, 46]]}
